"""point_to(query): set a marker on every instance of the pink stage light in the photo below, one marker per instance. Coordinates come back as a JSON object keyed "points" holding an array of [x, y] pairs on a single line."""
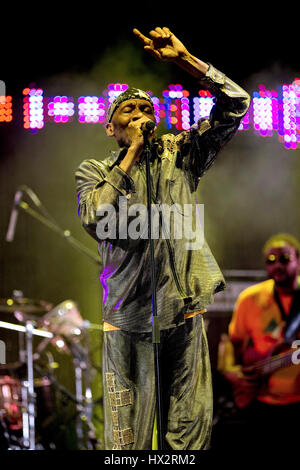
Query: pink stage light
{"points": [[270, 110], [33, 108], [91, 109], [61, 108]]}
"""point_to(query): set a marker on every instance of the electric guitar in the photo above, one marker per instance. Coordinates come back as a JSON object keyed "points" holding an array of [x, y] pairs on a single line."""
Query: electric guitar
{"points": [[257, 374]]}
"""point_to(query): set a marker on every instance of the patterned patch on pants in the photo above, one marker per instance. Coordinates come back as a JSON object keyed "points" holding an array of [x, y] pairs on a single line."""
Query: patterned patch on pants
{"points": [[118, 398]]}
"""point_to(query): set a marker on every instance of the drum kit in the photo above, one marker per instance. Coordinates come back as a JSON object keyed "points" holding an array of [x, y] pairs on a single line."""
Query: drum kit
{"points": [[28, 387]]}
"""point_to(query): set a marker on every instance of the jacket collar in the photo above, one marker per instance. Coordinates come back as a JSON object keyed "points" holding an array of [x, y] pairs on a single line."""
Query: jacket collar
{"points": [[115, 155]]}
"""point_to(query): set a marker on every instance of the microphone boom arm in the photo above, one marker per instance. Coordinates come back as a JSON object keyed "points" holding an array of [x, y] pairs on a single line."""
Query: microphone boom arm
{"points": [[66, 234]]}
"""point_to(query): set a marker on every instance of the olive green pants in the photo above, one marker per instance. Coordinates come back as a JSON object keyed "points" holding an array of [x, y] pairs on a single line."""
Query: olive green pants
{"points": [[129, 388]]}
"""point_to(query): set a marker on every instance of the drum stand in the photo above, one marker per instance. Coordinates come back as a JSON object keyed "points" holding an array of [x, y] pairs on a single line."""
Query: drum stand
{"points": [[84, 402], [29, 437], [28, 394]]}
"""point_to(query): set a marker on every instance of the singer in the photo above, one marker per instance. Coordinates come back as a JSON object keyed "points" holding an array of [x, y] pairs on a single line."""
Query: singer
{"points": [[186, 280]]}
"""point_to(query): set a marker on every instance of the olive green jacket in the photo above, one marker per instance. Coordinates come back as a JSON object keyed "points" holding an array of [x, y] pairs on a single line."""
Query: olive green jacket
{"points": [[186, 279]]}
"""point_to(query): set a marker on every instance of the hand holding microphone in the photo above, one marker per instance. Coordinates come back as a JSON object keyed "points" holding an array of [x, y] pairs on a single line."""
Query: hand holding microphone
{"points": [[139, 132], [139, 127]]}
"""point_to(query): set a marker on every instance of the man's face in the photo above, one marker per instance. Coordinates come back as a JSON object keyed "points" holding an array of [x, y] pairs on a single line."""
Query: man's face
{"points": [[282, 263], [129, 110]]}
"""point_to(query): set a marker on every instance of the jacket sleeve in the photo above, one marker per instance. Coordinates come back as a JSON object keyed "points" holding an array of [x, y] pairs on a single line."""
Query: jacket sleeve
{"points": [[99, 186], [200, 145]]}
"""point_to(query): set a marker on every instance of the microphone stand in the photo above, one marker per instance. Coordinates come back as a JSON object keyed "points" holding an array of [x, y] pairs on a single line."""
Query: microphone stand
{"points": [[155, 320], [66, 234]]}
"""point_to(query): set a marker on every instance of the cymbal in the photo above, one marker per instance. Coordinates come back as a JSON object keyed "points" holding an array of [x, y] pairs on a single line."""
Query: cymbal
{"points": [[64, 319], [24, 305]]}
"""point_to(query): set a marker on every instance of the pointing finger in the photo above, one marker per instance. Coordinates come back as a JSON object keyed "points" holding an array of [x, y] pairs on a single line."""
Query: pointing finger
{"points": [[141, 37]]}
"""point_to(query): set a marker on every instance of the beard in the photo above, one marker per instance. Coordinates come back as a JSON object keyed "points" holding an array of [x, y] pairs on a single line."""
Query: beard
{"points": [[284, 279]]}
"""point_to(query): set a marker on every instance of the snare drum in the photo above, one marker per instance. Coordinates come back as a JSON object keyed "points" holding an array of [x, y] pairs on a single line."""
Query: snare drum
{"points": [[11, 401]]}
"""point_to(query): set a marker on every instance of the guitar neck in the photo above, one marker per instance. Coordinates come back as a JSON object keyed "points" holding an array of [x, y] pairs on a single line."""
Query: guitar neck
{"points": [[272, 364]]}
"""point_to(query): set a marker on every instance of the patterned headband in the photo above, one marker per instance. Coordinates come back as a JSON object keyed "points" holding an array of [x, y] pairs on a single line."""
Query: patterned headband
{"points": [[128, 94]]}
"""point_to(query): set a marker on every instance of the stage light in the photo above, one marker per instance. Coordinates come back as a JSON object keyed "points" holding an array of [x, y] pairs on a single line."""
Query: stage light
{"points": [[185, 112], [91, 109], [269, 111], [61, 108], [6, 110], [202, 106], [290, 113], [114, 90], [264, 111], [180, 107], [157, 108], [33, 108]]}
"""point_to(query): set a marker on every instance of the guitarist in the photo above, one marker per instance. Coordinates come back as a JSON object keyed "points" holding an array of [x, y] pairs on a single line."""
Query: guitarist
{"points": [[266, 320]]}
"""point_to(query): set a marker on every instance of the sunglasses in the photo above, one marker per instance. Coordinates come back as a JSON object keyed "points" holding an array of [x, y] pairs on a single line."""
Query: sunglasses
{"points": [[282, 259]]}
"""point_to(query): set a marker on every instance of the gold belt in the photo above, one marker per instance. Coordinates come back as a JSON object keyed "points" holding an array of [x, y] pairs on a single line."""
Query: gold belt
{"points": [[108, 327]]}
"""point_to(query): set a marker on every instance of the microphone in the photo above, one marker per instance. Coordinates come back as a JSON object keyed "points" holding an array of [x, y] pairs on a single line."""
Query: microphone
{"points": [[37, 202], [32, 195], [148, 127], [14, 217]]}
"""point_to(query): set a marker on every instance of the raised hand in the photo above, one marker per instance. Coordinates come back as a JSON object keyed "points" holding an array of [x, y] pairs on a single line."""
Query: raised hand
{"points": [[162, 44]]}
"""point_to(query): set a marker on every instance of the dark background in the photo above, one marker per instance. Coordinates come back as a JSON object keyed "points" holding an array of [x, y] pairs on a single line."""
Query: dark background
{"points": [[240, 40], [250, 193]]}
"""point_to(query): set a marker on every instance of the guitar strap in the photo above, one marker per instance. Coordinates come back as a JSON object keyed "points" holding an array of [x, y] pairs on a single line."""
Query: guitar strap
{"points": [[292, 319]]}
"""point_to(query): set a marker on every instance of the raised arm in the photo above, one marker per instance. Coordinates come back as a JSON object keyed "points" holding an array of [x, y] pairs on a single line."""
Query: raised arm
{"points": [[202, 143], [165, 46]]}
